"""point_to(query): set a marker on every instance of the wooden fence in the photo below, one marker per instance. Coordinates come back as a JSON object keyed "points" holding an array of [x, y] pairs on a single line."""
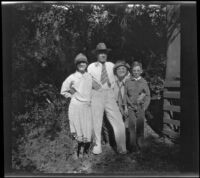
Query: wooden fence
{"points": [[172, 109]]}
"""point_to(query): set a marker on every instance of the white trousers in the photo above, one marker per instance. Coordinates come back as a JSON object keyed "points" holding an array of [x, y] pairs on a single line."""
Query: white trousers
{"points": [[104, 100]]}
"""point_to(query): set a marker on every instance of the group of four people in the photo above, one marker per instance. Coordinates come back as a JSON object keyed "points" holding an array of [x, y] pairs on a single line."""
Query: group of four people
{"points": [[106, 87]]}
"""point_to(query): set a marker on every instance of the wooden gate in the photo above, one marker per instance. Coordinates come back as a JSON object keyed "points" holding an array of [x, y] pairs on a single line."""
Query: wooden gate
{"points": [[171, 108], [171, 104]]}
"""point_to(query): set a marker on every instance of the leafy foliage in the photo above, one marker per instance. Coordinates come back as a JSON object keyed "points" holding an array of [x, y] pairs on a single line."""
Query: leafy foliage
{"points": [[45, 40], [35, 134]]}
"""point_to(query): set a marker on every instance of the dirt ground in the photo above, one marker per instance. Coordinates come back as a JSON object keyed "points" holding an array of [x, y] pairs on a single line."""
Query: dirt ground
{"points": [[158, 157]]}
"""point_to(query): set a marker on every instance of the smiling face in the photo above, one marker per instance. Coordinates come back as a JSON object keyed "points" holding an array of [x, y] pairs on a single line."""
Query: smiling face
{"points": [[121, 71], [81, 67], [136, 71], [102, 56]]}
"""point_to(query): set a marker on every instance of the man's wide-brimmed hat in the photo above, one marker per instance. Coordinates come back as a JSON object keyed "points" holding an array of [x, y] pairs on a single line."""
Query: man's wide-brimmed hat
{"points": [[80, 58], [120, 63], [101, 47]]}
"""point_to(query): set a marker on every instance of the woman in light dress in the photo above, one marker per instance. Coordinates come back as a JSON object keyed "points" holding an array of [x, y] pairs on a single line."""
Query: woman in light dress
{"points": [[78, 87]]}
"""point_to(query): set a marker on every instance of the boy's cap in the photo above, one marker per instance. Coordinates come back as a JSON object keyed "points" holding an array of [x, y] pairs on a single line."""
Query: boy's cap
{"points": [[80, 58]]}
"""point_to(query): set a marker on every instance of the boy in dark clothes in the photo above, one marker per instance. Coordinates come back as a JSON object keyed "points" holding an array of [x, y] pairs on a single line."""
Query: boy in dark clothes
{"points": [[137, 100]]}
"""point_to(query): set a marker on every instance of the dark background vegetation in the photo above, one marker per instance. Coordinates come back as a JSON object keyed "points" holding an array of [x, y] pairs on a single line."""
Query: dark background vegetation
{"points": [[44, 41], [46, 38]]}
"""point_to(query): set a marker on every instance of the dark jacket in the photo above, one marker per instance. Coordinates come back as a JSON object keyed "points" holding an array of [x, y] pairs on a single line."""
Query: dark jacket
{"points": [[133, 88]]}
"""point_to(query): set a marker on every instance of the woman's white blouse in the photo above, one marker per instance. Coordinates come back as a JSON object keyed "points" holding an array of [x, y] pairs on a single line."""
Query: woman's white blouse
{"points": [[82, 83]]}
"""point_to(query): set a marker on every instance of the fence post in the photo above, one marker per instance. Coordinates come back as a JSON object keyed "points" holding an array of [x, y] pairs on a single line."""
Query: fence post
{"points": [[189, 90]]}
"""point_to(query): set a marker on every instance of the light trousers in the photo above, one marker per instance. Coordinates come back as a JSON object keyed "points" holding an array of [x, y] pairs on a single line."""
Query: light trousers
{"points": [[104, 100]]}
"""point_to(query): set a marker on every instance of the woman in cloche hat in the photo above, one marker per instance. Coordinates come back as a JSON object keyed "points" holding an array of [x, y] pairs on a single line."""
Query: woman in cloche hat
{"points": [[78, 87]]}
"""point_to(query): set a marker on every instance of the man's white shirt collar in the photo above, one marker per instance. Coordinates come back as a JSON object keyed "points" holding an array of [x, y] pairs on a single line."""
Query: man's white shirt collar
{"points": [[99, 63]]}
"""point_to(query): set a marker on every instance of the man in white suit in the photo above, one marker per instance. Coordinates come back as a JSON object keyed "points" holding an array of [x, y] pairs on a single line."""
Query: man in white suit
{"points": [[103, 99]]}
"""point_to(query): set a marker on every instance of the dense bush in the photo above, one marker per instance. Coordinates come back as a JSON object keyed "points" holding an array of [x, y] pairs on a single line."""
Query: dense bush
{"points": [[45, 39], [41, 135]]}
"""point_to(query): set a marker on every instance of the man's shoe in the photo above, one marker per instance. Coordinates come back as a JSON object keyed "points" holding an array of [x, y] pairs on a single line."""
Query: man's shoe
{"points": [[122, 152], [97, 150]]}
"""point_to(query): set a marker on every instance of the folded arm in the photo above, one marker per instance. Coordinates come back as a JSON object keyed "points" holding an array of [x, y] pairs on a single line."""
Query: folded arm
{"points": [[95, 84]]}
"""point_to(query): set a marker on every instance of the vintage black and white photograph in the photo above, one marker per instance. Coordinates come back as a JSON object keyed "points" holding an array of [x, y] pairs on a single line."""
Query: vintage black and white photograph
{"points": [[100, 88]]}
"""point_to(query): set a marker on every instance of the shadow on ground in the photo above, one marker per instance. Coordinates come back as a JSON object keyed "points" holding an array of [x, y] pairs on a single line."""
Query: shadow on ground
{"points": [[156, 157]]}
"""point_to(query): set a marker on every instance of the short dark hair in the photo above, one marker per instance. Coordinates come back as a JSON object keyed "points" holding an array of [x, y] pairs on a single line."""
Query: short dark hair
{"points": [[136, 63]]}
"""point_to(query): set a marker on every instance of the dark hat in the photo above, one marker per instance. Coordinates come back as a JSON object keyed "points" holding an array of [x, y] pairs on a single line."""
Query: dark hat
{"points": [[120, 63], [80, 58], [101, 47]]}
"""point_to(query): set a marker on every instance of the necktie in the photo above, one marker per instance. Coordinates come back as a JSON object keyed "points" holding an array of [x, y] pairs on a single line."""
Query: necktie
{"points": [[104, 75], [120, 99]]}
